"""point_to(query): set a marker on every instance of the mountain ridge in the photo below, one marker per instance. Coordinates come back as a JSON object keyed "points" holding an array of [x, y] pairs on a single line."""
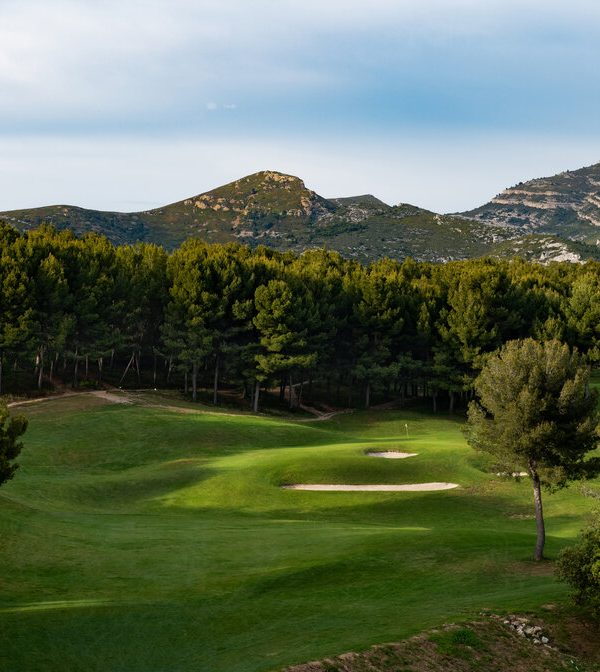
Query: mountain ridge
{"points": [[278, 210], [566, 204]]}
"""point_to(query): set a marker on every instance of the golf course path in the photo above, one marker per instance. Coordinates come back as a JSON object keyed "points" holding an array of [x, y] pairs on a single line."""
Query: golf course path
{"points": [[319, 416], [409, 487], [111, 398], [38, 400]]}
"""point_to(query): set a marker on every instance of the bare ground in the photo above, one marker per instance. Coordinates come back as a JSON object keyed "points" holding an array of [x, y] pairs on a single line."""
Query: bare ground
{"points": [[482, 646]]}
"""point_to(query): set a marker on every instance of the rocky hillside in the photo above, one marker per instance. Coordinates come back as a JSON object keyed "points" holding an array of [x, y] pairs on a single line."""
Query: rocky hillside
{"points": [[494, 644], [264, 205], [277, 210], [565, 205]]}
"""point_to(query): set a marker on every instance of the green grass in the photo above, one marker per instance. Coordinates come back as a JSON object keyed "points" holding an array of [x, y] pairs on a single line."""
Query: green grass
{"points": [[456, 642], [144, 539]]}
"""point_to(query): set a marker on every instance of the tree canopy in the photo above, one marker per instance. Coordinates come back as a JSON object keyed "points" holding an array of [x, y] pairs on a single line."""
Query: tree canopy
{"points": [[11, 428], [535, 412], [227, 317]]}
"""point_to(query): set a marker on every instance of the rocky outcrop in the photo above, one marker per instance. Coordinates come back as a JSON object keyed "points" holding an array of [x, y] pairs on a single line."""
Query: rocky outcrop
{"points": [[566, 205]]}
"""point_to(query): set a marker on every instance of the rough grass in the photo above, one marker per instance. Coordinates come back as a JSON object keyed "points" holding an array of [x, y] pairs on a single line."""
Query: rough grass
{"points": [[145, 539]]}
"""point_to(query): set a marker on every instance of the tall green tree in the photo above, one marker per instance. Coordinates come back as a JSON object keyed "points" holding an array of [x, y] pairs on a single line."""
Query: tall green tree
{"points": [[185, 332], [481, 313], [16, 308], [11, 428], [535, 411], [582, 312], [286, 316]]}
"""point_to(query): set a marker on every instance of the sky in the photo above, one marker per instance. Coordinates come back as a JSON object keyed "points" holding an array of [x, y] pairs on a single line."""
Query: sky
{"points": [[130, 104]]}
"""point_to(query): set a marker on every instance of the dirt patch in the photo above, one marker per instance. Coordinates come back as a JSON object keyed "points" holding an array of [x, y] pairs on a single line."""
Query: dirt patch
{"points": [[577, 635], [408, 487], [471, 647], [38, 400], [110, 397]]}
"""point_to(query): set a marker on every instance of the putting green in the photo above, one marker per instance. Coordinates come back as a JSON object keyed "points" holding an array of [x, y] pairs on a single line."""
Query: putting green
{"points": [[145, 539]]}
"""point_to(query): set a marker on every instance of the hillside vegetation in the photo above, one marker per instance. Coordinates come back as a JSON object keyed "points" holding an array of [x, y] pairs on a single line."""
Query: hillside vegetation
{"points": [[277, 210]]}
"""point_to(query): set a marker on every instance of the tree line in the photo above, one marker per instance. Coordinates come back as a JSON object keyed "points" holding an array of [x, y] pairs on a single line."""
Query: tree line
{"points": [[228, 317]]}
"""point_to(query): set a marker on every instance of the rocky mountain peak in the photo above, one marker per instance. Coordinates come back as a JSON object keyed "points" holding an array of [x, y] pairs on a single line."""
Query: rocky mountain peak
{"points": [[566, 204]]}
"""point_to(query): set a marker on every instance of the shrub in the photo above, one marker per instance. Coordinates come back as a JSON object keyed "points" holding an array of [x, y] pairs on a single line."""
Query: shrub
{"points": [[579, 566]]}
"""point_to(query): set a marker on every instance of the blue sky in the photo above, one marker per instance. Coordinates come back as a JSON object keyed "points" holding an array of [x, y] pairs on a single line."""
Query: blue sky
{"points": [[124, 105]]}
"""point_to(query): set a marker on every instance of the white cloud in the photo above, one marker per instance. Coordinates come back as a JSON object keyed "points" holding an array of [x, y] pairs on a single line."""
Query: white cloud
{"points": [[92, 62], [308, 81]]}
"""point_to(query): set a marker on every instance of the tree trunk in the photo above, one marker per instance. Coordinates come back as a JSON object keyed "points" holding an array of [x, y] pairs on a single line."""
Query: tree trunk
{"points": [[87, 366], [216, 382], [434, 397], [1, 368], [194, 381], [40, 363], [49, 375], [154, 369], [282, 387], [451, 407], [185, 382], [100, 363], [75, 369], [539, 512], [126, 369], [291, 393], [255, 397], [368, 395]]}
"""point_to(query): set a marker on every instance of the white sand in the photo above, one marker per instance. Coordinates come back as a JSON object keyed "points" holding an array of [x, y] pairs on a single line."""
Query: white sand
{"points": [[514, 474], [392, 455], [409, 487]]}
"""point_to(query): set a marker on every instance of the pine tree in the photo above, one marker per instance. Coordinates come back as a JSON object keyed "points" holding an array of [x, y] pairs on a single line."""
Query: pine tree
{"points": [[536, 412], [11, 428]]}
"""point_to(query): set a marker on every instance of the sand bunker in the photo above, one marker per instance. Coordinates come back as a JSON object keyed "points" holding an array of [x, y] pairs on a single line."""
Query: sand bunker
{"points": [[391, 454], [409, 487], [514, 474]]}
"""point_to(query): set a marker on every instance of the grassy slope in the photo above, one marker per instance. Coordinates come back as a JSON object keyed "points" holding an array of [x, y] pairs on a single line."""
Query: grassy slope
{"points": [[143, 539]]}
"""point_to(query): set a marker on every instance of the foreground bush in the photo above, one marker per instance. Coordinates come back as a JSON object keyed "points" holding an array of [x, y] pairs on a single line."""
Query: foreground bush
{"points": [[579, 566]]}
